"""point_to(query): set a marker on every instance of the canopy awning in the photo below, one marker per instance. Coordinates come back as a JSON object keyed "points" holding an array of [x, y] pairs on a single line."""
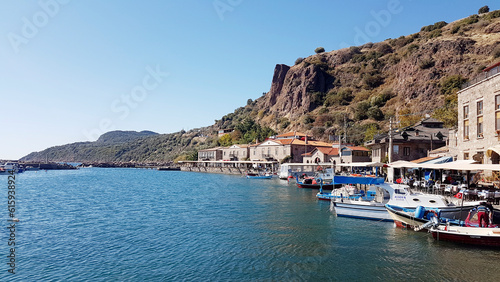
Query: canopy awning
{"points": [[490, 150], [439, 160], [456, 165], [356, 164]]}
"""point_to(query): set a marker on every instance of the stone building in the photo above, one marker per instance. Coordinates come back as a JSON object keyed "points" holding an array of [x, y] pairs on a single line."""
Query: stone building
{"points": [[212, 154], [409, 143], [236, 152], [350, 154], [478, 132], [289, 145]]}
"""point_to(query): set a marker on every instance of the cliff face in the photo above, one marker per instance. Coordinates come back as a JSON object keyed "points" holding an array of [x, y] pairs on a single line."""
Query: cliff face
{"points": [[410, 68], [291, 89]]}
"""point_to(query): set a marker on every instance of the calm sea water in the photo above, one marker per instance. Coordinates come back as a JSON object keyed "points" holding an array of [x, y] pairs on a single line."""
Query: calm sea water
{"points": [[135, 225]]}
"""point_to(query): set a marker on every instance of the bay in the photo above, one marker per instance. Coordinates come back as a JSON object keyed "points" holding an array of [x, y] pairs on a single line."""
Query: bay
{"points": [[137, 224]]}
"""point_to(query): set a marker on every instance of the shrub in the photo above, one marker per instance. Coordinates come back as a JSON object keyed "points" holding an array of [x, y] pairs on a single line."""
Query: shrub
{"points": [[412, 48], [372, 81], [318, 131], [483, 10], [435, 33], [317, 98], [455, 29], [434, 26], [451, 84], [354, 50], [371, 130], [323, 110], [342, 97], [284, 123], [307, 119], [469, 20], [496, 52], [381, 99], [361, 111], [492, 15], [426, 63], [299, 60], [375, 113], [319, 50]]}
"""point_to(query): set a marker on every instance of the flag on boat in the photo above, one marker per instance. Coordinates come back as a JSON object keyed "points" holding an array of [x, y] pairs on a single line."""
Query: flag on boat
{"points": [[459, 195]]}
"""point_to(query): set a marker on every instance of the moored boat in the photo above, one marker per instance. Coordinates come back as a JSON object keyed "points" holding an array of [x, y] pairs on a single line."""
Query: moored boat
{"points": [[344, 204], [259, 175], [417, 218], [467, 235]]}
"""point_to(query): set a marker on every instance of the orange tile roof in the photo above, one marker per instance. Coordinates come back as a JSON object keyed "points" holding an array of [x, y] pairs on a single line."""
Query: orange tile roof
{"points": [[328, 151], [358, 148], [292, 134]]}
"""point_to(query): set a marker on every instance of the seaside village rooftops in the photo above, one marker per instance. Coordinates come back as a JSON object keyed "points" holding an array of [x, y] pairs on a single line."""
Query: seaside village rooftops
{"points": [[295, 147], [409, 143]]}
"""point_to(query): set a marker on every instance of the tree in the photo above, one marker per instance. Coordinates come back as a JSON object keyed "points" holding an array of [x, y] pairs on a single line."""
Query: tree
{"points": [[484, 9], [370, 132], [451, 84], [249, 102], [225, 140], [319, 50], [407, 118]]}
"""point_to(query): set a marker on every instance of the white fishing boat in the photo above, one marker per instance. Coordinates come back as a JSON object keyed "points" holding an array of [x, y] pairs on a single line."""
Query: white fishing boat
{"points": [[348, 203]]}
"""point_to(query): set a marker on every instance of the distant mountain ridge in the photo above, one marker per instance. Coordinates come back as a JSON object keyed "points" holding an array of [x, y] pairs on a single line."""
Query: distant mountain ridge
{"points": [[119, 136], [353, 89]]}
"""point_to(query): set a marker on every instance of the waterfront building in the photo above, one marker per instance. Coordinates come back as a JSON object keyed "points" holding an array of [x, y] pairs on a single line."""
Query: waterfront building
{"points": [[236, 152], [291, 146], [409, 143], [350, 154], [478, 132], [212, 154]]}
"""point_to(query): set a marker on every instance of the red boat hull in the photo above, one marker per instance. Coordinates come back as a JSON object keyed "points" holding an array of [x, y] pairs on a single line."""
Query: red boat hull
{"points": [[467, 239]]}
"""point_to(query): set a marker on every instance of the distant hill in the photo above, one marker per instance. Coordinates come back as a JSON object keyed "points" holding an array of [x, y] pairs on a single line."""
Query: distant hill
{"points": [[356, 89], [144, 147], [119, 136]]}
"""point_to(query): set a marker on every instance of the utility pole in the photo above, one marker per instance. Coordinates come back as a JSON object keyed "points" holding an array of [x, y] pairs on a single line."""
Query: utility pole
{"points": [[390, 140]]}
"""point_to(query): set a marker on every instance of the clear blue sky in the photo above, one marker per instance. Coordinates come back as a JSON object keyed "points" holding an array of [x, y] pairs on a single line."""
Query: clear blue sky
{"points": [[74, 69]]}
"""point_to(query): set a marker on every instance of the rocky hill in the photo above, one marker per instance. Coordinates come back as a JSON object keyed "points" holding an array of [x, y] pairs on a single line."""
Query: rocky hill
{"points": [[355, 89], [118, 136]]}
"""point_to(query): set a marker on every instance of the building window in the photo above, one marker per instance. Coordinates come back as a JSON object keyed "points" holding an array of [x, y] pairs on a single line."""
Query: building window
{"points": [[466, 156], [466, 129], [479, 108], [480, 127], [466, 111], [406, 151], [395, 149], [497, 114], [497, 102]]}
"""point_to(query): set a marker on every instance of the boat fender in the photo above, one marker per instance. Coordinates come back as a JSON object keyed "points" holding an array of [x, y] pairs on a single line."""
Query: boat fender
{"points": [[419, 212]]}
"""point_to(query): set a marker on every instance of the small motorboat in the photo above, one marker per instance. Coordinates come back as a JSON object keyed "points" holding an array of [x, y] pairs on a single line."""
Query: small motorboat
{"points": [[482, 236], [259, 175]]}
